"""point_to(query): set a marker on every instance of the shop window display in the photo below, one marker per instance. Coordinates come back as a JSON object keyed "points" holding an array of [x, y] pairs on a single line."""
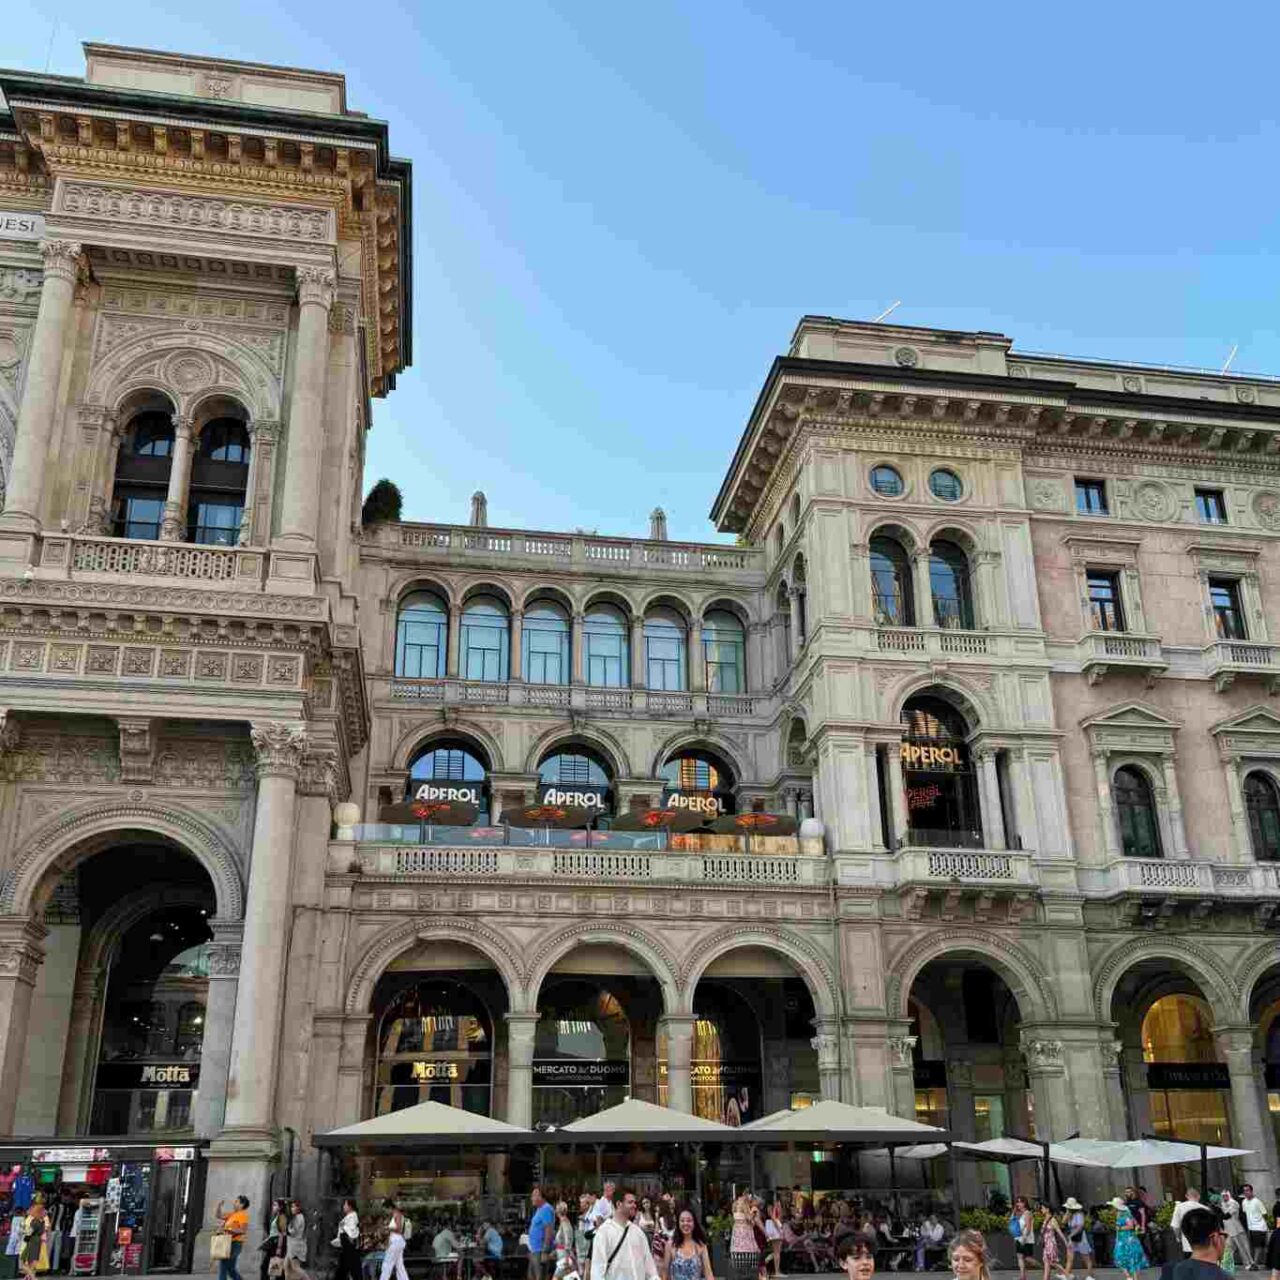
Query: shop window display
{"points": [[582, 1053]]}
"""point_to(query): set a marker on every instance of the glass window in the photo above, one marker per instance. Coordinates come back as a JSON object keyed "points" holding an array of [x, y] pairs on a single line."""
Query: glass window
{"points": [[152, 436], [702, 772], [1228, 617], [214, 523], [1105, 608], [486, 640], [1263, 806], [887, 481], [225, 440], [1135, 813], [938, 776], [422, 636], [1211, 506], [546, 643], [946, 485], [1091, 497], [574, 767], [138, 516], [892, 601], [606, 651], [949, 586], [724, 647], [664, 649], [446, 764], [581, 1052]]}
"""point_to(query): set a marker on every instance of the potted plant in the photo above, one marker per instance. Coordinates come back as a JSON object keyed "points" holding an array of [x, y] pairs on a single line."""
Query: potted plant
{"points": [[719, 1228]]}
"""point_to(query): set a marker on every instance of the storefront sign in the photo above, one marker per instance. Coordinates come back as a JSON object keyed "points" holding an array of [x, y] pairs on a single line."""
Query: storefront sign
{"points": [[148, 1075], [1188, 1075], [71, 1155], [15, 225], [930, 755], [462, 793], [579, 797], [580, 1073], [698, 801], [435, 1071], [929, 1073], [165, 1154]]}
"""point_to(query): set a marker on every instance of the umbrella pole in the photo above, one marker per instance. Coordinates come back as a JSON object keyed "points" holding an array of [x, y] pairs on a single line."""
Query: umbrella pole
{"points": [[600, 1163], [893, 1180], [697, 1175], [1204, 1169], [751, 1163]]}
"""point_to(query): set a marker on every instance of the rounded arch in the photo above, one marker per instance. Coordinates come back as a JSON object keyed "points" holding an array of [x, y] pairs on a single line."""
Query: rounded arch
{"points": [[971, 704], [611, 596], [548, 591], [1189, 957], [395, 940], [684, 740], [437, 587], [912, 543], [630, 938], [795, 737], [77, 835], [666, 599], [730, 604], [600, 740], [218, 404], [419, 738], [108, 930], [143, 399], [949, 529], [1251, 975], [488, 587], [811, 963], [1021, 971]]}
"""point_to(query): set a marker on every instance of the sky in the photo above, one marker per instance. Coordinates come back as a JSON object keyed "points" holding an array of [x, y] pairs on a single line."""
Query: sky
{"points": [[621, 210]]}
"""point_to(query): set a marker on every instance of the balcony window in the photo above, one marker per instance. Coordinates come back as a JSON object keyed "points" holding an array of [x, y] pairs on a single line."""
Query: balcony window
{"points": [[138, 516], [723, 646], [152, 436], [1228, 616], [1135, 813], [949, 586], [664, 650], [1211, 506], [892, 601], [1105, 608], [938, 775], [486, 640], [141, 481], [219, 483], [546, 643], [422, 636], [604, 637], [1262, 803], [1091, 497], [215, 523]]}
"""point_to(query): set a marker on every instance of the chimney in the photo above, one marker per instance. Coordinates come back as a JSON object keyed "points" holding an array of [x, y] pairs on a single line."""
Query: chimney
{"points": [[479, 510], [658, 525]]}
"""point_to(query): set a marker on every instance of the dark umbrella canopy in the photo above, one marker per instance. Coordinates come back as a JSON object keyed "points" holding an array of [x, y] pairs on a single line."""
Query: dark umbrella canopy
{"points": [[755, 824], [561, 816], [660, 820], [435, 813]]}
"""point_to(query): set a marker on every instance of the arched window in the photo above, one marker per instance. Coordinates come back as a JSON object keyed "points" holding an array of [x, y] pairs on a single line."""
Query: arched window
{"points": [[606, 651], [700, 781], [578, 776], [486, 640], [949, 586], [938, 774], [724, 647], [795, 510], [422, 636], [582, 1051], [664, 650], [779, 537], [219, 481], [1135, 813], [450, 770], [727, 1067], [1263, 807], [142, 476], [892, 600], [545, 644], [801, 588]]}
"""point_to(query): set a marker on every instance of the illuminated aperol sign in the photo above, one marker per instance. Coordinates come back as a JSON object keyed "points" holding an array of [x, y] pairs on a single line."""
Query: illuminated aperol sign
{"points": [[936, 756]]}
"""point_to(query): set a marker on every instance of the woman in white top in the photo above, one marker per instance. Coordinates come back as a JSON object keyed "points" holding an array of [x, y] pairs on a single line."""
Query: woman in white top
{"points": [[1026, 1237], [773, 1234], [394, 1258], [348, 1242], [1079, 1243]]}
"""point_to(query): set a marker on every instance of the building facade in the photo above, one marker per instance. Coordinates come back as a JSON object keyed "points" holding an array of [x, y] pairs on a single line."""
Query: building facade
{"points": [[996, 630]]}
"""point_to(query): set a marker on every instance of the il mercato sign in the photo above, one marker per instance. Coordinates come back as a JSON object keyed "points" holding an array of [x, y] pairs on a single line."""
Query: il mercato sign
{"points": [[18, 225], [580, 1072]]}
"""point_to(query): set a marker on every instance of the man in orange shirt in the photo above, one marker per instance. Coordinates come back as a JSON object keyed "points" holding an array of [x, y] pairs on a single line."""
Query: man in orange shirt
{"points": [[236, 1225]]}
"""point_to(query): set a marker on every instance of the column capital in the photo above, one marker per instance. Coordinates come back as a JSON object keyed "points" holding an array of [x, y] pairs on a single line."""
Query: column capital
{"points": [[184, 427], [1041, 1052], [62, 259], [1236, 1039], [319, 773], [279, 746], [224, 960], [263, 430], [902, 1051], [316, 286], [21, 948]]}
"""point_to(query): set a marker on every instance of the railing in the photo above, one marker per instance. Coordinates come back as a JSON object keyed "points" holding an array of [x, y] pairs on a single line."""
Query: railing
{"points": [[1242, 653], [684, 557], [963, 865], [1099, 650], [463, 840], [933, 640], [80, 556]]}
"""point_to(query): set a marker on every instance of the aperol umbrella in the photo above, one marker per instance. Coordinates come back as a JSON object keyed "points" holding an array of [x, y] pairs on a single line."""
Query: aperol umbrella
{"points": [[755, 824], [432, 813], [561, 816], [660, 820]]}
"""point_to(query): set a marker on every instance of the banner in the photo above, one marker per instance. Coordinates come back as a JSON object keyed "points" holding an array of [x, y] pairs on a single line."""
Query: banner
{"points": [[1188, 1075], [580, 1073], [148, 1075]]}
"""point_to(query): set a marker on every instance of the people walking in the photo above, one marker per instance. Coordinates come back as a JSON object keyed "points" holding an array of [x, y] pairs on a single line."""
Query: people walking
{"points": [[620, 1250], [968, 1256], [1203, 1229], [1053, 1244], [274, 1242], [584, 1229], [1130, 1256], [35, 1242], [542, 1227], [744, 1253], [566, 1254], [393, 1259], [295, 1251], [348, 1243], [1255, 1220], [1233, 1223], [1022, 1225], [1184, 1206], [235, 1222], [1079, 1241], [773, 1236], [686, 1256]]}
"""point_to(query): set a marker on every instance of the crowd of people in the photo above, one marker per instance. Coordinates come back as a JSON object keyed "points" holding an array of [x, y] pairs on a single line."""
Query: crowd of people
{"points": [[617, 1235]]}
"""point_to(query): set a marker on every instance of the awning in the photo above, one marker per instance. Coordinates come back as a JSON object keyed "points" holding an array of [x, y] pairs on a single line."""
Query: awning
{"points": [[636, 1121], [1010, 1150], [830, 1121], [1145, 1152], [428, 1124]]}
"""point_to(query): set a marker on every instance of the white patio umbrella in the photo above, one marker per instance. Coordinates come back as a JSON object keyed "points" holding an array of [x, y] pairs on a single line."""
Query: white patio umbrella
{"points": [[1007, 1150], [1138, 1153]]}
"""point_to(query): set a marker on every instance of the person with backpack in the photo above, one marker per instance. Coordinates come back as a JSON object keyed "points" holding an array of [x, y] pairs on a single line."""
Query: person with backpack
{"points": [[1022, 1227]]}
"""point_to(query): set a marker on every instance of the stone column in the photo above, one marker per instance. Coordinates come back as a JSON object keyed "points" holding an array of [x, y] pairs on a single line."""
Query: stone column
{"points": [[301, 506], [697, 658], [827, 1045], [521, 1028], [98, 518], [992, 816], [1250, 1120], [1174, 799], [21, 954], [263, 438], [902, 1067], [1106, 814], [923, 590], [455, 641], [793, 601], [80, 1059], [516, 665], [1232, 775], [1109, 1054], [254, 1040], [1048, 1078], [897, 794], [173, 525], [350, 1101], [639, 676], [679, 1029], [25, 481], [219, 1018], [576, 656], [756, 647]]}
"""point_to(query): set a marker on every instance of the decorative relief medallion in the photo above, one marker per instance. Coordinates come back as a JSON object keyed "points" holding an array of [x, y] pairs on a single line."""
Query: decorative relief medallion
{"points": [[189, 370], [1152, 501], [211, 666], [1246, 395], [1131, 382], [102, 659], [175, 662], [1048, 495], [907, 357], [1017, 370], [1266, 509]]}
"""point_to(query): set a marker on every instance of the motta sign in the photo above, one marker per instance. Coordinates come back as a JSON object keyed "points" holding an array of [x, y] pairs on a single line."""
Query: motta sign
{"points": [[18, 225], [580, 1073], [148, 1075], [579, 797], [697, 801], [435, 1070], [468, 793], [927, 755]]}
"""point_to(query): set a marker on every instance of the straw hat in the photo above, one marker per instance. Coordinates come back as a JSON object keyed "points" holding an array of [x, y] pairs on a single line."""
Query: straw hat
{"points": [[1117, 1203], [1073, 1204]]}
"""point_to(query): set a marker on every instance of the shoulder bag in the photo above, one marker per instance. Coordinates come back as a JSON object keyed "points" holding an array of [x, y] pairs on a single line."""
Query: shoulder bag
{"points": [[616, 1247]]}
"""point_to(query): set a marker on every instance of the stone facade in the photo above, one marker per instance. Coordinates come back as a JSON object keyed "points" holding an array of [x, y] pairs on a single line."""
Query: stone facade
{"points": [[929, 525]]}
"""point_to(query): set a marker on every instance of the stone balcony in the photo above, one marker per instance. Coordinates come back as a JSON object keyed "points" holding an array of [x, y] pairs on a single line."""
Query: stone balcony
{"points": [[563, 697], [1157, 888], [937, 642], [1229, 660], [88, 559], [1100, 652]]}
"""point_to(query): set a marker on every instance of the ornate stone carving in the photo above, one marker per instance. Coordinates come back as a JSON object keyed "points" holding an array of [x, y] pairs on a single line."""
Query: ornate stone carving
{"points": [[907, 357], [1246, 395], [53, 757], [960, 1073], [137, 748], [1152, 501], [61, 259], [319, 776], [19, 285], [10, 734], [1266, 508], [1048, 495], [1042, 1053], [316, 285], [827, 1047], [224, 960], [216, 765], [902, 1050], [279, 746]]}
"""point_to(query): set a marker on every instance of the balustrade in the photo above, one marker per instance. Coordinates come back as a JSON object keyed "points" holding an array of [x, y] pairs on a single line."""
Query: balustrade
{"points": [[93, 558]]}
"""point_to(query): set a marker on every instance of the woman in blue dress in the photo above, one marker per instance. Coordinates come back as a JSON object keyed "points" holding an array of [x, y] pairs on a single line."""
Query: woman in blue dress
{"points": [[1129, 1255], [687, 1257]]}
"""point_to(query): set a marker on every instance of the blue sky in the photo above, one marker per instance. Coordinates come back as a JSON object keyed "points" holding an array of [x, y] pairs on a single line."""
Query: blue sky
{"points": [[622, 210]]}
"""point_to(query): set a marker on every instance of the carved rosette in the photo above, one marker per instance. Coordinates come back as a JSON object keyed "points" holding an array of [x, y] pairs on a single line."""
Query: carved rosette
{"points": [[902, 1051], [62, 260], [280, 747], [316, 286]]}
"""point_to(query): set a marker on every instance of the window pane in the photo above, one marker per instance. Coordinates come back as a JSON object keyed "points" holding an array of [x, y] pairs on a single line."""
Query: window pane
{"points": [[1227, 615], [1091, 497], [1263, 808], [139, 517], [945, 484], [891, 596], [1136, 814], [215, 523], [485, 640], [422, 630], [949, 586], [1211, 507], [886, 481], [725, 652], [1104, 602], [664, 642]]}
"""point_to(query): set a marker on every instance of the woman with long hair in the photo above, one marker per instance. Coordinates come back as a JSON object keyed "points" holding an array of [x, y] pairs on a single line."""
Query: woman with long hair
{"points": [[566, 1251], [1053, 1244], [773, 1234], [295, 1245], [1025, 1236], [687, 1256], [968, 1256], [744, 1253], [857, 1255], [35, 1242], [273, 1242], [348, 1242]]}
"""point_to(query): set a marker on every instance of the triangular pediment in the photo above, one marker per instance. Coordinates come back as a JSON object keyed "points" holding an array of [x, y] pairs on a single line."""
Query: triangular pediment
{"points": [[1130, 715], [1257, 719]]}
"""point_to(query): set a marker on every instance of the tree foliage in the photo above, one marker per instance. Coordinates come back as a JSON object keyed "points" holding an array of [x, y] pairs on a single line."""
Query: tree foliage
{"points": [[382, 503]]}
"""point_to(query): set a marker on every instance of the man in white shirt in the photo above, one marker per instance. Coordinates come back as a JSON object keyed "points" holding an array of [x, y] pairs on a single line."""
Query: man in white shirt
{"points": [[602, 1210], [1180, 1211], [620, 1250], [1255, 1219]]}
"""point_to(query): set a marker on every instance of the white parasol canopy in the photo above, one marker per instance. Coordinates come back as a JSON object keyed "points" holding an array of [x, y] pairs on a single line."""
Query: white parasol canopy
{"points": [[635, 1119], [831, 1121], [1008, 1150], [426, 1124], [922, 1151], [1144, 1152]]}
